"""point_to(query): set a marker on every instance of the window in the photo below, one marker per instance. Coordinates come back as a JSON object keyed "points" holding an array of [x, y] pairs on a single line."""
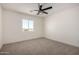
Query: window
{"points": [[27, 25]]}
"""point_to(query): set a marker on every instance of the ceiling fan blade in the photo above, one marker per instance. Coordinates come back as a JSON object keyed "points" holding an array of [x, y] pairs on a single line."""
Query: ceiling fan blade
{"points": [[45, 12], [47, 8], [38, 13], [36, 10]]}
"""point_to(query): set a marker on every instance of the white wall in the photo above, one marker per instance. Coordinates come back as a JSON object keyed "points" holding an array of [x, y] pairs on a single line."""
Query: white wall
{"points": [[63, 26], [12, 25], [0, 27]]}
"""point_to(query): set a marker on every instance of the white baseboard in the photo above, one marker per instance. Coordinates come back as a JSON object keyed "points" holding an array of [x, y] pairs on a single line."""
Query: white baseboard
{"points": [[63, 42], [23, 40], [1, 47]]}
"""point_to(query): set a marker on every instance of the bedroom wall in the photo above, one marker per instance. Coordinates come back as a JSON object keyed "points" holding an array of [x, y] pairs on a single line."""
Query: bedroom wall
{"points": [[0, 26], [12, 25], [63, 26]]}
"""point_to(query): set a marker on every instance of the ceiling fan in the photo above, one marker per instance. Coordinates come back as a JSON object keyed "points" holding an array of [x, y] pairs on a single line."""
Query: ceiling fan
{"points": [[40, 10]]}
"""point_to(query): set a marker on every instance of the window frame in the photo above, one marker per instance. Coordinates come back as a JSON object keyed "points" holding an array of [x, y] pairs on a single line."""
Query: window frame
{"points": [[28, 28]]}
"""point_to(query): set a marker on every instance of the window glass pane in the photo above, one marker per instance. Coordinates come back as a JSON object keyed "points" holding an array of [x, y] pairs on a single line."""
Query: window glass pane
{"points": [[25, 24], [30, 25]]}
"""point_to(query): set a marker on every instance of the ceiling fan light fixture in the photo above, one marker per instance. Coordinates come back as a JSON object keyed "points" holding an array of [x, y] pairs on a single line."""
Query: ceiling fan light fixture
{"points": [[41, 13]]}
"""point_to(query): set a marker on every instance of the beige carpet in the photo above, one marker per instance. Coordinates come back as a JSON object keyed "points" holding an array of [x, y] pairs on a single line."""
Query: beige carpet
{"points": [[39, 47]]}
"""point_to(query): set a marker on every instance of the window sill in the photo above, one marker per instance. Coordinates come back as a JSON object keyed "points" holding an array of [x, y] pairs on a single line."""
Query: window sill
{"points": [[25, 30]]}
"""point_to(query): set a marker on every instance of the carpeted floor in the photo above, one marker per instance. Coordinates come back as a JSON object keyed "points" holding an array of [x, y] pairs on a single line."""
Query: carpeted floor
{"points": [[39, 47]]}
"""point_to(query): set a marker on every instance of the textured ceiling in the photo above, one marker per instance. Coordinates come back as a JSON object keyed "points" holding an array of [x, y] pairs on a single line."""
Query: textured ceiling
{"points": [[29, 7], [26, 7]]}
